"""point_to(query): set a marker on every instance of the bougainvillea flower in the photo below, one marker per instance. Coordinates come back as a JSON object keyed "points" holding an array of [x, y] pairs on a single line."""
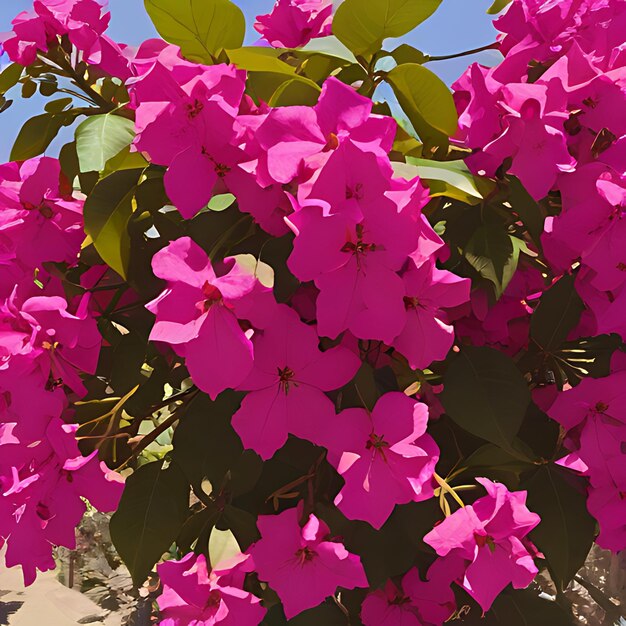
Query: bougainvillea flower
{"points": [[48, 491], [385, 457], [82, 20], [297, 137], [287, 383], [488, 536], [197, 314], [608, 505], [187, 121], [608, 257], [426, 336], [56, 342], [354, 267], [40, 220], [293, 23], [292, 559], [193, 595], [417, 602], [592, 397]]}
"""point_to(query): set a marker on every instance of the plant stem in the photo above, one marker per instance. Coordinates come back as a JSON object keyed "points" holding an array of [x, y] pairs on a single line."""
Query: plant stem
{"points": [[492, 46]]}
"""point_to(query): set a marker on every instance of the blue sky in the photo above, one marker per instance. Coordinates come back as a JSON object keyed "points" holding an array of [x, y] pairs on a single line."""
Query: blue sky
{"points": [[458, 25]]}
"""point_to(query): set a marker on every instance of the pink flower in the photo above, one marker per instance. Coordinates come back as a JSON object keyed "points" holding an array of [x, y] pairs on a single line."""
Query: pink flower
{"points": [[82, 20], [385, 457], [300, 564], [532, 137], [43, 484], [187, 120], [40, 220], [198, 314], [416, 603], [426, 336], [488, 535], [297, 140], [293, 23], [193, 595], [354, 264], [287, 383], [42, 334]]}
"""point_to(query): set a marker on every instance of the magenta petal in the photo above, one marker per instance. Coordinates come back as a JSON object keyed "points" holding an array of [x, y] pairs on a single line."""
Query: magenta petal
{"points": [[189, 182], [221, 357], [261, 421]]}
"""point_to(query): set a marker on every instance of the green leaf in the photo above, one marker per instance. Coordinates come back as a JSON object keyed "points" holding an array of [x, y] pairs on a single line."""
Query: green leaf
{"points": [[408, 54], [295, 92], [586, 356], [221, 202], [530, 213], [363, 25], [486, 395], [151, 513], [558, 312], [207, 447], [498, 6], [107, 211], [566, 530], [451, 179], [521, 607], [493, 254], [125, 160], [222, 546], [426, 100], [37, 134], [9, 77], [100, 138], [267, 73], [200, 27]]}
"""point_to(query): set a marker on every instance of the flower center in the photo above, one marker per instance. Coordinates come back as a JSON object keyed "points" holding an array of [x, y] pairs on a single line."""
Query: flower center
{"points": [[354, 193], [359, 247], [214, 599], [411, 303], [601, 407], [305, 555], [332, 142], [212, 295], [378, 444], [485, 540], [286, 376], [194, 108]]}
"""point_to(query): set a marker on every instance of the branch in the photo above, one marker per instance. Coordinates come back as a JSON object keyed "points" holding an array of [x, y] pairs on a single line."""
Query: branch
{"points": [[492, 46]]}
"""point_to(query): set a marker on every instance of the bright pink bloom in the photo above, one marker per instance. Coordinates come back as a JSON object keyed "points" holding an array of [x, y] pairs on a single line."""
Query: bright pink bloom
{"points": [[44, 486], [83, 21], [198, 313], [186, 119], [293, 23], [40, 220], [300, 564], [297, 140], [42, 334], [416, 603], [354, 264], [426, 336], [287, 384], [385, 457], [488, 535], [193, 595], [532, 137]]}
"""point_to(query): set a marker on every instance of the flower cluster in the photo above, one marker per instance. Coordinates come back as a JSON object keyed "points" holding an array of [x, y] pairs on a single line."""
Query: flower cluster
{"points": [[293, 23], [367, 294], [83, 22], [47, 342], [550, 113]]}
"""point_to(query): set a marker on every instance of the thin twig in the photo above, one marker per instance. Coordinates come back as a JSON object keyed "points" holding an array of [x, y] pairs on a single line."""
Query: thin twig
{"points": [[492, 46]]}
